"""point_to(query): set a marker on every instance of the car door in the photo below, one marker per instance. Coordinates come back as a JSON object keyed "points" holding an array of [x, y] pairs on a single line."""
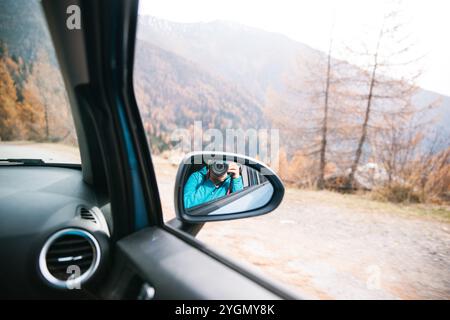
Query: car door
{"points": [[149, 259]]}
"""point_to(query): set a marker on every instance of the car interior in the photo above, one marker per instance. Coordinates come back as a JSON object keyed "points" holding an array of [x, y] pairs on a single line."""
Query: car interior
{"points": [[95, 230]]}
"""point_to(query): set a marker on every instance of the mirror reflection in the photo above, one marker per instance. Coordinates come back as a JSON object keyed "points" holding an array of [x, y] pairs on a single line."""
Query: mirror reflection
{"points": [[216, 180]]}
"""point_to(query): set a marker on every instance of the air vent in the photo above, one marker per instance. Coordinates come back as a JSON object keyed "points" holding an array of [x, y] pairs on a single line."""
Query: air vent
{"points": [[69, 252], [87, 214]]}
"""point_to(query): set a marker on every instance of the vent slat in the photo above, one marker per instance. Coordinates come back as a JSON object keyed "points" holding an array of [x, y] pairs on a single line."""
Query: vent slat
{"points": [[87, 214], [70, 249], [84, 256], [74, 247], [73, 242], [72, 263]]}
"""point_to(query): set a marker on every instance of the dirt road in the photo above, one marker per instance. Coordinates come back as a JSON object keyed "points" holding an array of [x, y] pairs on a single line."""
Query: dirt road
{"points": [[329, 250], [49, 152]]}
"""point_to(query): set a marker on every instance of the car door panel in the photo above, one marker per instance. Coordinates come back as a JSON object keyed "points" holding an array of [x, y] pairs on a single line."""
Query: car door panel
{"points": [[176, 270]]}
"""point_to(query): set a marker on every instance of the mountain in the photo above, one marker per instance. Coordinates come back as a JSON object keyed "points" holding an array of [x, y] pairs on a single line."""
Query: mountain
{"points": [[31, 84], [441, 112], [255, 61], [252, 59], [23, 29], [173, 92]]}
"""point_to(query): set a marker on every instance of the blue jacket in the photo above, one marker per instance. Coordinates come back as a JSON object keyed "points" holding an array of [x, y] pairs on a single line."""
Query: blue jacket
{"points": [[199, 189]]}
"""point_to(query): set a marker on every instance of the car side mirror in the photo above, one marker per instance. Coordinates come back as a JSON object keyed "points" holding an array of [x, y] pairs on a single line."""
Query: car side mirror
{"points": [[217, 186]]}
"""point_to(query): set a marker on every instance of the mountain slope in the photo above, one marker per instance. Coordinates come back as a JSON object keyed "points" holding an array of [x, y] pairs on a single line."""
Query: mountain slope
{"points": [[28, 60], [173, 92], [23, 29], [253, 59]]}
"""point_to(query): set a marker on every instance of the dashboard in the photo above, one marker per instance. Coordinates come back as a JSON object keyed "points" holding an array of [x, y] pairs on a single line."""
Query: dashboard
{"points": [[54, 236]]}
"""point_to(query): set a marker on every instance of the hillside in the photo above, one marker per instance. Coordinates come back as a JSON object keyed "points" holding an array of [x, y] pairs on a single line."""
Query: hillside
{"points": [[33, 102], [253, 59], [173, 93], [23, 29]]}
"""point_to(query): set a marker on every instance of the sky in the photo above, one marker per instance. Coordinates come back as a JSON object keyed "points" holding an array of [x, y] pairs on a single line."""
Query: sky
{"points": [[311, 21]]}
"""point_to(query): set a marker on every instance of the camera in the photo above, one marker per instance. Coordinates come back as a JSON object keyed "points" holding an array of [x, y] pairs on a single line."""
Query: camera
{"points": [[218, 168]]}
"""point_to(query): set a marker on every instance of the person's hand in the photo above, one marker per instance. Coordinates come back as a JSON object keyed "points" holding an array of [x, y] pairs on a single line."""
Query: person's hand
{"points": [[233, 169]]}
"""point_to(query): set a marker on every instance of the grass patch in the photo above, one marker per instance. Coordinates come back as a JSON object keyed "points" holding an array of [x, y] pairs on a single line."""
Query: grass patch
{"points": [[397, 194], [440, 213], [364, 202]]}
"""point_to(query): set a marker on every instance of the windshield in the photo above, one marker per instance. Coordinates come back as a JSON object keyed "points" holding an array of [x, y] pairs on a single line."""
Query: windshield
{"points": [[35, 116]]}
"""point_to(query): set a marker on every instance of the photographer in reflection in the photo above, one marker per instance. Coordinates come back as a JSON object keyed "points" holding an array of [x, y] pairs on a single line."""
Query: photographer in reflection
{"points": [[216, 180]]}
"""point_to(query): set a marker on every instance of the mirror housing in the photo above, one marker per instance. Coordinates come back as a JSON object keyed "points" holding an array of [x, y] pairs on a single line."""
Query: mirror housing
{"points": [[253, 200]]}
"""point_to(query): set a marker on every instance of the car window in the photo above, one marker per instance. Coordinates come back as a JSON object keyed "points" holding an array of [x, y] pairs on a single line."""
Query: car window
{"points": [[348, 102], [35, 117]]}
